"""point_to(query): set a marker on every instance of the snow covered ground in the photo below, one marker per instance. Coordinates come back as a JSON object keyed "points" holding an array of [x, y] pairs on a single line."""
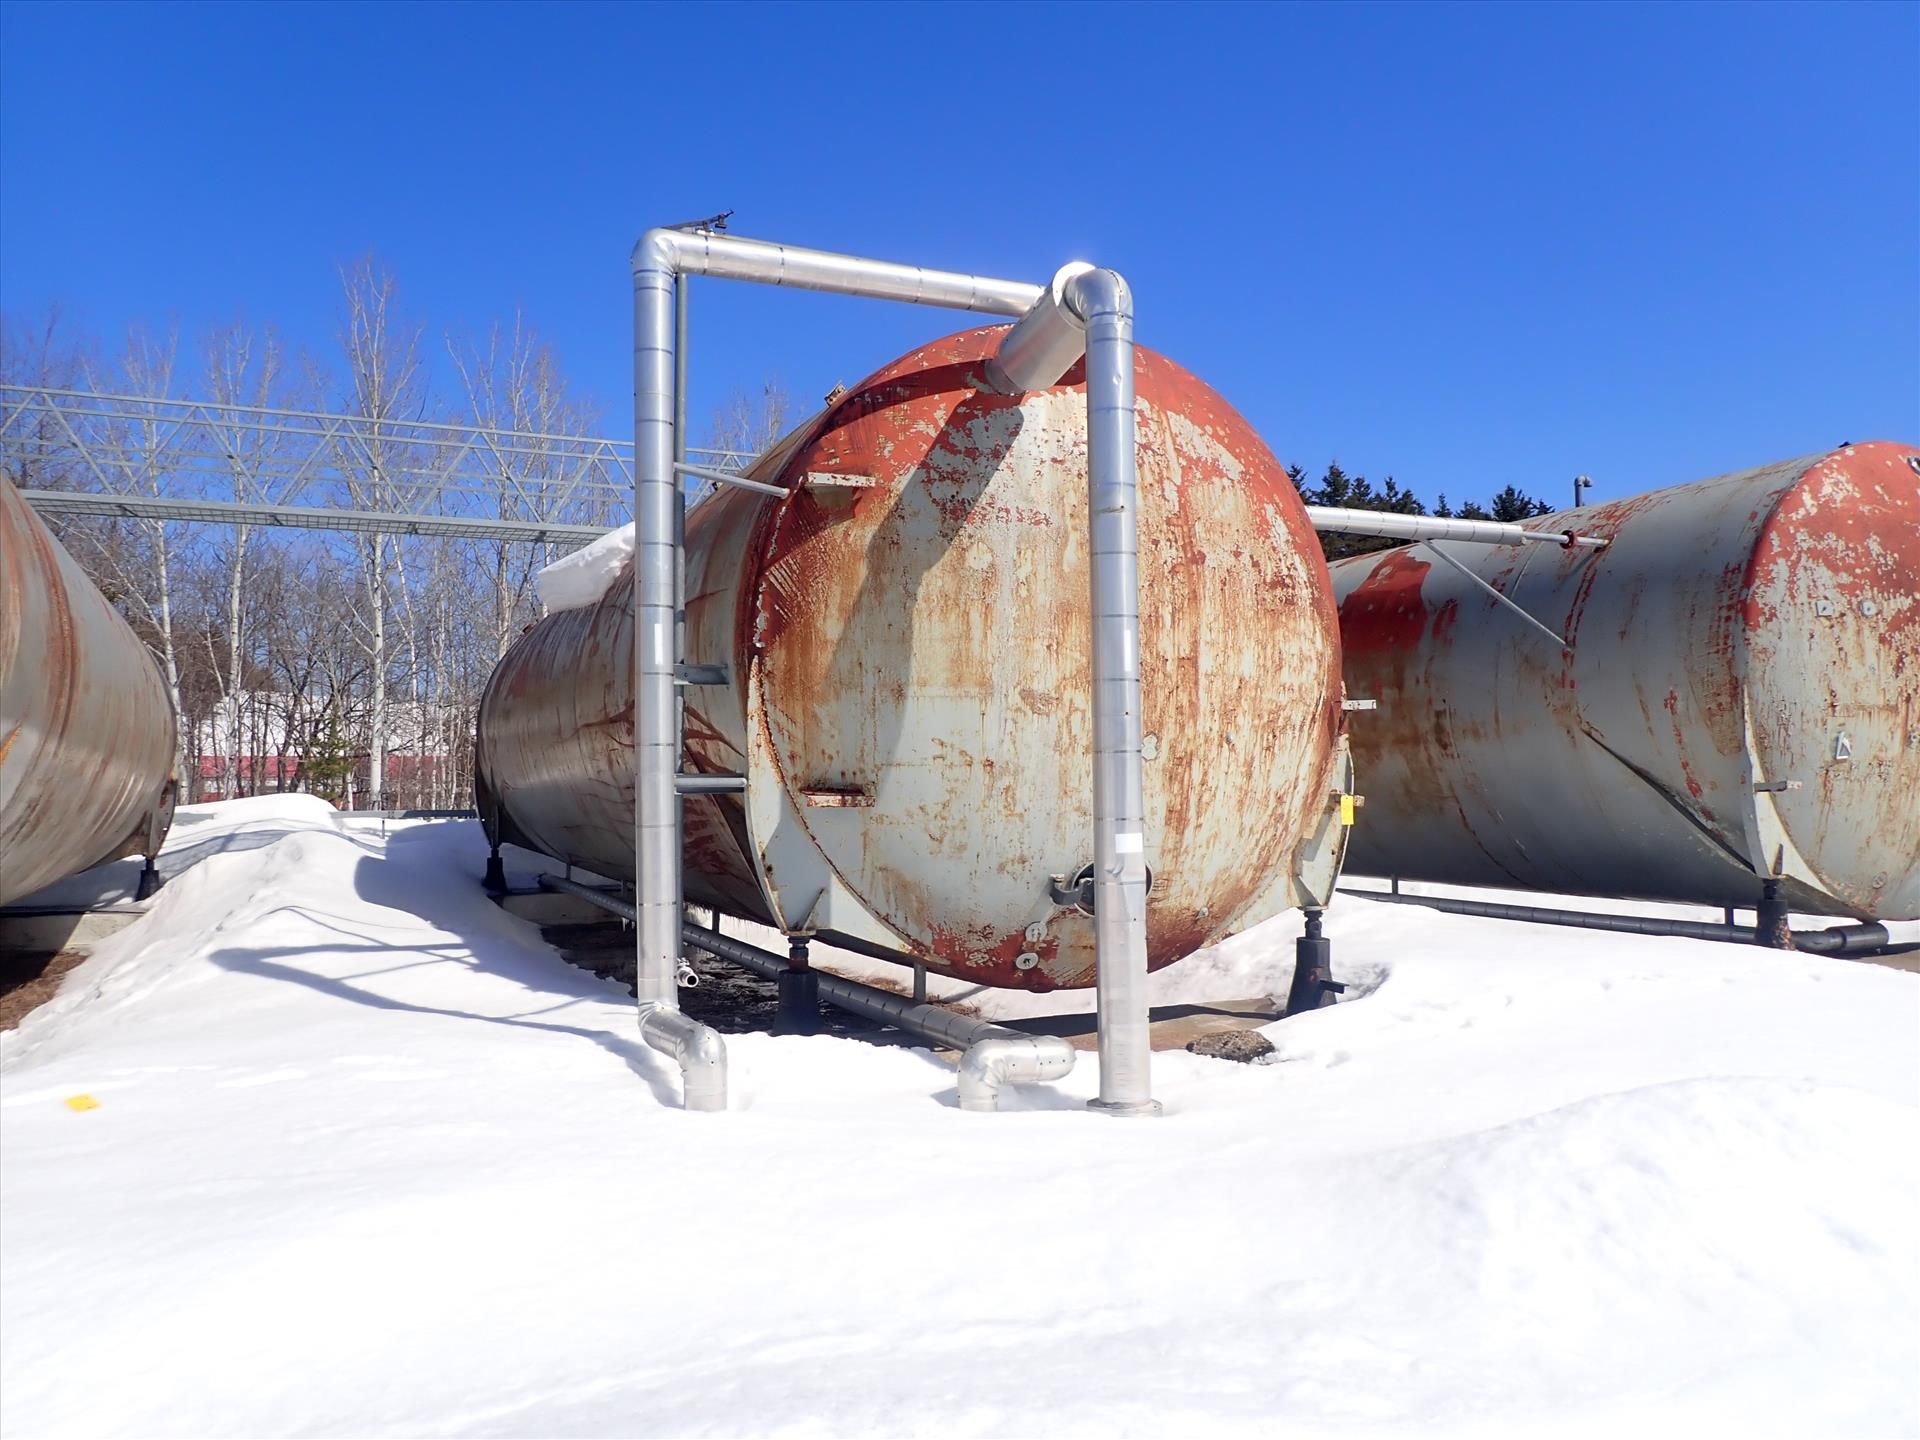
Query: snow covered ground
{"points": [[366, 1157]]}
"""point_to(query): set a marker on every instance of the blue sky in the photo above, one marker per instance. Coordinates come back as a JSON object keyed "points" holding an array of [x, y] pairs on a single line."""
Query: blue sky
{"points": [[1461, 245]]}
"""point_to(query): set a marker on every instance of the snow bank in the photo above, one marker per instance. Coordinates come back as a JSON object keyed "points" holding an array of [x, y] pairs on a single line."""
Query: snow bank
{"points": [[576, 581], [368, 1158]]}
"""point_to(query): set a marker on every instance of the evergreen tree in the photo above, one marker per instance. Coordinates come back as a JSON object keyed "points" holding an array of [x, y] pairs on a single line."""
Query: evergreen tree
{"points": [[1337, 488], [327, 764], [1510, 504]]}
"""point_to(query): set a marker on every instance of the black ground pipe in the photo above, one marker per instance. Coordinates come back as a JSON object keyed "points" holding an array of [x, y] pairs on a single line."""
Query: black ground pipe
{"points": [[1869, 939]]}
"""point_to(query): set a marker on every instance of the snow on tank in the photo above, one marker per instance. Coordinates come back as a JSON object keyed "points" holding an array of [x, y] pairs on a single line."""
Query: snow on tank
{"points": [[906, 635]]}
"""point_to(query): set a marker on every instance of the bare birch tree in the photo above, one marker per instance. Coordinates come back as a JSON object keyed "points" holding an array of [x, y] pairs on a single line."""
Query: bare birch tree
{"points": [[514, 384], [384, 385], [242, 369], [144, 572]]}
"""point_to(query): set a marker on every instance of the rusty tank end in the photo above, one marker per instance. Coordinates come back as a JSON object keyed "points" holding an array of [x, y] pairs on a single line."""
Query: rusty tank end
{"points": [[86, 729], [907, 638], [1740, 701]]}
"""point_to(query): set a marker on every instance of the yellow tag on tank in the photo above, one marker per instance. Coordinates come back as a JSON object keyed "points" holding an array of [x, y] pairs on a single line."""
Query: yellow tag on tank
{"points": [[1346, 809], [82, 1102]]}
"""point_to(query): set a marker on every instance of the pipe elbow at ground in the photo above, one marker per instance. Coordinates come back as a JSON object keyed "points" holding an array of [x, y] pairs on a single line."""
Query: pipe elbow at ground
{"points": [[697, 1049], [991, 1064]]}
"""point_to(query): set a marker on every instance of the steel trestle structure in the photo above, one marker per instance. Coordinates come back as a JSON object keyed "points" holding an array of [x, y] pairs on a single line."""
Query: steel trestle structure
{"points": [[76, 452]]}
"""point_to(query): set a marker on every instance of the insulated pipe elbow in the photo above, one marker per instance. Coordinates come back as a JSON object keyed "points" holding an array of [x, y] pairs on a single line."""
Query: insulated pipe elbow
{"points": [[992, 1063], [658, 249], [698, 1050], [1044, 343], [1092, 294]]}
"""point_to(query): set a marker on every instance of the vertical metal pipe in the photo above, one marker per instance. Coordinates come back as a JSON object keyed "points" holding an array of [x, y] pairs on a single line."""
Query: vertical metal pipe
{"points": [[681, 285], [656, 729], [1101, 299]]}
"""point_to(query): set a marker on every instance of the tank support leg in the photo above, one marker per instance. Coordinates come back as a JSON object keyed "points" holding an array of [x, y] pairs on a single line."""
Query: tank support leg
{"points": [[799, 1011], [1770, 927], [1313, 982], [149, 883], [495, 880]]}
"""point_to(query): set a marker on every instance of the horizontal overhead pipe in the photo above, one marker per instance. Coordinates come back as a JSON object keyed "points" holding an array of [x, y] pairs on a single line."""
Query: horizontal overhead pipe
{"points": [[1435, 527], [1839, 940], [697, 1049], [994, 1056], [731, 257]]}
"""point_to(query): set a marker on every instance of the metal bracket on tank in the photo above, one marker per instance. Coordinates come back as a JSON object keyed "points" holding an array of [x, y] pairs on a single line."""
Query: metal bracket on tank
{"points": [[700, 674], [835, 492], [1497, 595], [1079, 895], [727, 477]]}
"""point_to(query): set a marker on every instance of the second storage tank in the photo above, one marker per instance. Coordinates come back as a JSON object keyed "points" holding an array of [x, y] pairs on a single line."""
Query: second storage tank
{"points": [[1739, 699], [906, 638]]}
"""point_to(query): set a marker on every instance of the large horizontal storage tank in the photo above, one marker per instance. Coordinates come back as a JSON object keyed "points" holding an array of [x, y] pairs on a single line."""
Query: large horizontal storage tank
{"points": [[1739, 698], [906, 639], [86, 728]]}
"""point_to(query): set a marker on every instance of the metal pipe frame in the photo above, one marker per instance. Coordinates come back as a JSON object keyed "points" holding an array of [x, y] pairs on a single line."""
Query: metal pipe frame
{"points": [[1435, 527], [1081, 305]]}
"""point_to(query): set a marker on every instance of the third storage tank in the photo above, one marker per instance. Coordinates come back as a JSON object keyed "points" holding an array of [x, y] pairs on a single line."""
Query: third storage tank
{"points": [[1738, 699]]}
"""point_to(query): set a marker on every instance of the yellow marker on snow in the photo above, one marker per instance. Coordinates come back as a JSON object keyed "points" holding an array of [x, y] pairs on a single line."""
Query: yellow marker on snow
{"points": [[82, 1102], [1346, 809]]}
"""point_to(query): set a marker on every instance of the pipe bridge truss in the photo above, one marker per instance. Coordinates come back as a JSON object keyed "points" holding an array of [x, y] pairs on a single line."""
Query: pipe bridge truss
{"points": [[81, 452]]}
